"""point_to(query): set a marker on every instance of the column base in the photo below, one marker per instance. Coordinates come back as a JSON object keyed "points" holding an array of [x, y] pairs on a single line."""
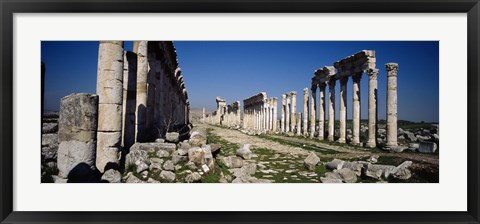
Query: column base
{"points": [[371, 144], [341, 140], [391, 144], [321, 138], [330, 138]]}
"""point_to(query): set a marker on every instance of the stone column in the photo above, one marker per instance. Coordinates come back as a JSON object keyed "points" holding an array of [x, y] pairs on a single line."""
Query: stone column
{"points": [[274, 114], [343, 109], [331, 109], [110, 99], [287, 114], [372, 107], [203, 115], [299, 121], [283, 114], [305, 111], [141, 98], [267, 115], [321, 112], [293, 115], [77, 130], [392, 70], [356, 108], [313, 111], [129, 94]]}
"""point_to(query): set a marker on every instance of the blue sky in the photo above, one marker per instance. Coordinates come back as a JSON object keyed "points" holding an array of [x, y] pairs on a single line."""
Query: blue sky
{"points": [[235, 70]]}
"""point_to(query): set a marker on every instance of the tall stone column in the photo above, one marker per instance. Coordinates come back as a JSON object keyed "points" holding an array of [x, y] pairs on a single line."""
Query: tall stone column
{"points": [[293, 115], [141, 98], [274, 114], [331, 109], [267, 115], [313, 111], [392, 70], [110, 99], [372, 107], [305, 111], [203, 115], [321, 112], [343, 109], [287, 114], [356, 108], [299, 120], [283, 114], [77, 132]]}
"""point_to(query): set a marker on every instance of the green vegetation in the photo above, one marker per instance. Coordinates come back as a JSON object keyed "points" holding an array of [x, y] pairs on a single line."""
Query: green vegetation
{"points": [[306, 146]]}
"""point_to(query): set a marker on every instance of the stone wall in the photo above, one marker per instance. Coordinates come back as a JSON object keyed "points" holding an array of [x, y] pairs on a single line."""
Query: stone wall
{"points": [[225, 115]]}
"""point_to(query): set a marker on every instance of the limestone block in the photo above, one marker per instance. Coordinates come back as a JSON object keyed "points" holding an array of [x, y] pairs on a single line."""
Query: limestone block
{"points": [[78, 113], [111, 91], [75, 153], [109, 139]]}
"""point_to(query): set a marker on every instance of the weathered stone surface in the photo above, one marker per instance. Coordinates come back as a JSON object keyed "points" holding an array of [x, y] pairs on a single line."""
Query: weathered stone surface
{"points": [[172, 137], [427, 147], [184, 146], [330, 180], [232, 161], [413, 146], [78, 113], [154, 146], [215, 148], [74, 153], [141, 166], [49, 128], [410, 136], [130, 178], [49, 153], [193, 177], [196, 155], [167, 176], [373, 159], [162, 153], [112, 176], [311, 161], [198, 136], [348, 175], [354, 166], [244, 151], [155, 166], [49, 139], [402, 172], [176, 159], [134, 157], [378, 171], [335, 164], [191, 165], [182, 152], [168, 165]]}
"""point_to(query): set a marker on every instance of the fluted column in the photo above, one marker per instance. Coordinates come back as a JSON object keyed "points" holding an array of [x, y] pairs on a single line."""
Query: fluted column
{"points": [[283, 114], [110, 100], [343, 110], [274, 114], [372, 107], [305, 111], [321, 112], [356, 108], [392, 70], [313, 111], [331, 109], [141, 98], [293, 116], [287, 114]]}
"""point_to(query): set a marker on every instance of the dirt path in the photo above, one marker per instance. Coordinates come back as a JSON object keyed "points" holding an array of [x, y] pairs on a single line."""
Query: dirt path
{"points": [[345, 152]]}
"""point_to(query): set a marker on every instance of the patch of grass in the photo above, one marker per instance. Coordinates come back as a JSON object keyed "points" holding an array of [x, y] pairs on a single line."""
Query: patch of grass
{"points": [[227, 148]]}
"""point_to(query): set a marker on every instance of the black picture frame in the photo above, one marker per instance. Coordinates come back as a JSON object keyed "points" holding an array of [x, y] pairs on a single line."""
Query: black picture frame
{"points": [[9, 7]]}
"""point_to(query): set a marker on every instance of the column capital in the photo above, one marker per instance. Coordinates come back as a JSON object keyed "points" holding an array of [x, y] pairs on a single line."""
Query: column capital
{"points": [[392, 69]]}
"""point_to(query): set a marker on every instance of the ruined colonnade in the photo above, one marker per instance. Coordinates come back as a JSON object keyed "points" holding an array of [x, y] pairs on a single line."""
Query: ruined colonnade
{"points": [[353, 67], [260, 112]]}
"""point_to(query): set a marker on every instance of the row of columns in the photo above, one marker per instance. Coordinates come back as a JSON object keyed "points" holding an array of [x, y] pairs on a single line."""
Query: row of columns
{"points": [[288, 117], [139, 93], [260, 113], [354, 66]]}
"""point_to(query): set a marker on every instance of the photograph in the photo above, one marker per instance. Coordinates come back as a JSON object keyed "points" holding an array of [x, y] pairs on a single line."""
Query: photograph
{"points": [[230, 112]]}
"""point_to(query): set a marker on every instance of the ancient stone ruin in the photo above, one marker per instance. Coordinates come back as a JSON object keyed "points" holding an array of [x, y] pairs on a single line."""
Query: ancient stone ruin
{"points": [[260, 113], [141, 96], [226, 115]]}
